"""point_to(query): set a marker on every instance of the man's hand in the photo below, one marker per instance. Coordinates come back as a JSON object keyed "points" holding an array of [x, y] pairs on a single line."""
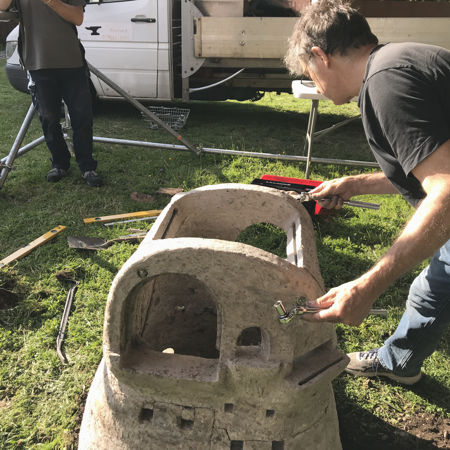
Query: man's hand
{"points": [[332, 194], [349, 303], [426, 231], [342, 189]]}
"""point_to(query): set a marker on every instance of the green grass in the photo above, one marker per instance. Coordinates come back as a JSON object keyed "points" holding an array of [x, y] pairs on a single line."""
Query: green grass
{"points": [[41, 401]]}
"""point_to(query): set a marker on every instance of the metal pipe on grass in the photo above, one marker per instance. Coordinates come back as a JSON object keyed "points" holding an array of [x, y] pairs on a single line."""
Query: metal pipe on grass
{"points": [[143, 109], [346, 162]]}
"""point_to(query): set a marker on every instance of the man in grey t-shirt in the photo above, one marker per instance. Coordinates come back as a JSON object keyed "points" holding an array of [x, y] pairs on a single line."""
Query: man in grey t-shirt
{"points": [[50, 51]]}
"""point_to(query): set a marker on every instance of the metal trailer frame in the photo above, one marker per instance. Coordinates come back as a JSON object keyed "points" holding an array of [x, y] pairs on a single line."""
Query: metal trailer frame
{"points": [[16, 150]]}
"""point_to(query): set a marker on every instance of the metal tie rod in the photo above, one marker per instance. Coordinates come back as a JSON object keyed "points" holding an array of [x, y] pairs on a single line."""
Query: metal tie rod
{"points": [[221, 151], [143, 109]]}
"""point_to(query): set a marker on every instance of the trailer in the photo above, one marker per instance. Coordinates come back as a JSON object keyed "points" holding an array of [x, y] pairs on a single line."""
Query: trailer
{"points": [[162, 50]]}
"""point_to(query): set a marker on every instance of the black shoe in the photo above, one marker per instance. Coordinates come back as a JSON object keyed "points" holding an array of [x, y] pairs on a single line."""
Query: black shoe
{"points": [[367, 364], [92, 178], [56, 174]]}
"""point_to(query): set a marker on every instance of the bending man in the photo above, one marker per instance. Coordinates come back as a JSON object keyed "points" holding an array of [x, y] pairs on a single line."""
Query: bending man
{"points": [[404, 98]]}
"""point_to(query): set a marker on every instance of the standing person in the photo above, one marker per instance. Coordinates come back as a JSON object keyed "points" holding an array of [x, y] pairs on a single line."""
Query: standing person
{"points": [[50, 51], [404, 98]]}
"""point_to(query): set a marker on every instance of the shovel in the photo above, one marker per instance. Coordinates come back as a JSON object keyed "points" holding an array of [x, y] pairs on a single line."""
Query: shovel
{"points": [[94, 243]]}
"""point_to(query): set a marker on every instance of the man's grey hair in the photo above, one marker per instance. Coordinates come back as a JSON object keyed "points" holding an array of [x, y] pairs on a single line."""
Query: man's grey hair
{"points": [[334, 26]]}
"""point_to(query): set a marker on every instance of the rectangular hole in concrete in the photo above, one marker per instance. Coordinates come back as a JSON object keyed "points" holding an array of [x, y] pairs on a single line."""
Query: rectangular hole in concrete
{"points": [[186, 424], [236, 445], [270, 413], [146, 414], [277, 445], [228, 407]]}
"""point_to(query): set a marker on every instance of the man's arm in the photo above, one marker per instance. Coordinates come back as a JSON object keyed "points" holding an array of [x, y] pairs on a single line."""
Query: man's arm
{"points": [[5, 4], [426, 232], [71, 13], [341, 189]]}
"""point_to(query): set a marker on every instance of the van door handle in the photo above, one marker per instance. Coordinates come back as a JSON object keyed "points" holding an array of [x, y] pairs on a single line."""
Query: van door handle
{"points": [[143, 19]]}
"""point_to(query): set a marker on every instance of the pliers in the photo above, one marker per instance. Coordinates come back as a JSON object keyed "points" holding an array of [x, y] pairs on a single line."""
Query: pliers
{"points": [[285, 316], [307, 197]]}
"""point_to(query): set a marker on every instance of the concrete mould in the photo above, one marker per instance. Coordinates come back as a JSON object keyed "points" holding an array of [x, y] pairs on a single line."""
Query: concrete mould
{"points": [[238, 379]]}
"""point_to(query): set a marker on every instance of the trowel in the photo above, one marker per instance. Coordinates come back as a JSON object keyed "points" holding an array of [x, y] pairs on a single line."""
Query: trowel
{"points": [[95, 243]]}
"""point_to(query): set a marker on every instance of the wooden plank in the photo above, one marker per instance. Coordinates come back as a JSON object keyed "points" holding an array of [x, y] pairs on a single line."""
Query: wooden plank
{"points": [[266, 37], [426, 30], [31, 246], [243, 37]]}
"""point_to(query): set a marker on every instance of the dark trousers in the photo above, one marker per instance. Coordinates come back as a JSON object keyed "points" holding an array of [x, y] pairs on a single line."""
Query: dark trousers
{"points": [[48, 87]]}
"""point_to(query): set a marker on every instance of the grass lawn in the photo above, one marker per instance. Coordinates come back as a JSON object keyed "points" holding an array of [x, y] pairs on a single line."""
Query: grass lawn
{"points": [[41, 400]]}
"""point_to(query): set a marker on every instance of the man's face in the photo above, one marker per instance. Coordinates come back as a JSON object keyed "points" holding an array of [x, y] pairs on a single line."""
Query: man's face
{"points": [[329, 81]]}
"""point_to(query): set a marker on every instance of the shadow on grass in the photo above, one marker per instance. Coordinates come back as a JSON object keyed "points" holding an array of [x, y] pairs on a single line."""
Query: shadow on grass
{"points": [[338, 267], [360, 429], [434, 392], [239, 126], [365, 233]]}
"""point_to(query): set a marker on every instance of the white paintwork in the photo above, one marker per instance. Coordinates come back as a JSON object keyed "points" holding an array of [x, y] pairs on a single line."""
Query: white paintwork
{"points": [[138, 56], [125, 51]]}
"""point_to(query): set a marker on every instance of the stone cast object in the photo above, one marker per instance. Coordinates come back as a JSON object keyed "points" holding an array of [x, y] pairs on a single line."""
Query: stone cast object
{"points": [[194, 356]]}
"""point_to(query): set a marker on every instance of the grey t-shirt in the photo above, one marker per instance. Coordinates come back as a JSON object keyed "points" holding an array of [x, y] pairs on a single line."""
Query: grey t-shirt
{"points": [[47, 40], [405, 107]]}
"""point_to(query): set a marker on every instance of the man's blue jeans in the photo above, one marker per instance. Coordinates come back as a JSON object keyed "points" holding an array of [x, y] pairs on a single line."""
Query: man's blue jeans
{"points": [[426, 318], [48, 88]]}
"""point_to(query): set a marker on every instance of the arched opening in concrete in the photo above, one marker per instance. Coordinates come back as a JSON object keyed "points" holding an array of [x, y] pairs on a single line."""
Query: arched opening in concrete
{"points": [[170, 317], [251, 342], [250, 337], [266, 237]]}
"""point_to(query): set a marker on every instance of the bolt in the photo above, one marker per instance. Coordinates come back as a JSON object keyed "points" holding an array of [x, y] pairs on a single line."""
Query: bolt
{"points": [[142, 273]]}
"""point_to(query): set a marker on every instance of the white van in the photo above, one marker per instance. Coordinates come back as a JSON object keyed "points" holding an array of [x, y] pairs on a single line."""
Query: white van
{"points": [[143, 46], [128, 40], [208, 49]]}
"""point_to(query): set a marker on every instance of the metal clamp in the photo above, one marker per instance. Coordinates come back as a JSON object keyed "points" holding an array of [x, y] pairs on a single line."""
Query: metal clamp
{"points": [[285, 316]]}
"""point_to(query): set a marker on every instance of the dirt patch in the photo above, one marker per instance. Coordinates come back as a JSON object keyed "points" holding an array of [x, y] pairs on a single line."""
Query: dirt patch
{"points": [[359, 429], [435, 430]]}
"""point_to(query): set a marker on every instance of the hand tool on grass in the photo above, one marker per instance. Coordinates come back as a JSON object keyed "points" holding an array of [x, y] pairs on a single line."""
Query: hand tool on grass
{"points": [[95, 243], [63, 276], [31, 246], [110, 224], [285, 316], [149, 213]]}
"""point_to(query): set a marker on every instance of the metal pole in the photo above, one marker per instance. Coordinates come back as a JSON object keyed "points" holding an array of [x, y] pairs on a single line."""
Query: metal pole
{"points": [[310, 134], [346, 162], [9, 160], [143, 109]]}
